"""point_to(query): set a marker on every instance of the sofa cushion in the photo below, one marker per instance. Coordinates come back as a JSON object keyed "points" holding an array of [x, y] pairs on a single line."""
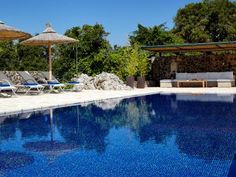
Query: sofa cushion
{"points": [[202, 76], [213, 75], [166, 81], [210, 76], [191, 76], [181, 76], [226, 75]]}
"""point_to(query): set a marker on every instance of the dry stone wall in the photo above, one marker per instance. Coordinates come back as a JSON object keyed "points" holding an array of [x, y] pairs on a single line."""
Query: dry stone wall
{"points": [[161, 67]]}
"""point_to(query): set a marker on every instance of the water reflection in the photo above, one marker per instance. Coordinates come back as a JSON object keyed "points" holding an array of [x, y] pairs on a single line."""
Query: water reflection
{"points": [[12, 160], [203, 128], [36, 124]]}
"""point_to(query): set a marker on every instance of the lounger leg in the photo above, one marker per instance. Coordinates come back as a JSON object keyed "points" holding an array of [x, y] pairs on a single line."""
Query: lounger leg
{"points": [[41, 90], [27, 91], [51, 88], [14, 92], [62, 89], [38, 89], [17, 89]]}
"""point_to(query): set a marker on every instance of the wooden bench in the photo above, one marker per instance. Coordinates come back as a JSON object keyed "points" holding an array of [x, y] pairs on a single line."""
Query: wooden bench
{"points": [[202, 82]]}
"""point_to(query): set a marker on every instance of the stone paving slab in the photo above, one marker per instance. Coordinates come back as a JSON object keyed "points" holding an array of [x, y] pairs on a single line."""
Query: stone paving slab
{"points": [[38, 102]]}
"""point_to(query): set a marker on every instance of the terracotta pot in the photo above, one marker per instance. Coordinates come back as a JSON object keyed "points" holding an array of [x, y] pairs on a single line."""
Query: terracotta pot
{"points": [[141, 83], [130, 81]]}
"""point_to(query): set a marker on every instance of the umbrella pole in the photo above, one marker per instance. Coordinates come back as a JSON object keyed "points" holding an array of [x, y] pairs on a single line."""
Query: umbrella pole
{"points": [[51, 123], [50, 61]]}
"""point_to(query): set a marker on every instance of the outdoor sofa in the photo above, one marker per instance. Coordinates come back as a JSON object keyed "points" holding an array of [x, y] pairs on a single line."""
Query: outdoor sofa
{"points": [[213, 79]]}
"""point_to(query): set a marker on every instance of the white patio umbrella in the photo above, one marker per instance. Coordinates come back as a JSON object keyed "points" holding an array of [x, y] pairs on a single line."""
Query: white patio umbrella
{"points": [[48, 38], [11, 33]]}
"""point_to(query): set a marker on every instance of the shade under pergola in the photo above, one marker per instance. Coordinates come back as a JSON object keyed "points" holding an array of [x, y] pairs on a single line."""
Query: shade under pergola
{"points": [[11, 33], [48, 38]]}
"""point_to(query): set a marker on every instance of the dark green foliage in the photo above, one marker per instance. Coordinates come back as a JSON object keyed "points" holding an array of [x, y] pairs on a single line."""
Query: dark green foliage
{"points": [[210, 20], [87, 56], [64, 61], [8, 57], [157, 35], [17, 57], [32, 58]]}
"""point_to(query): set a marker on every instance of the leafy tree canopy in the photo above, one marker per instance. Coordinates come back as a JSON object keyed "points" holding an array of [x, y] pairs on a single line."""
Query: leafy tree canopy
{"points": [[156, 35], [14, 56], [206, 21], [90, 52], [8, 57]]}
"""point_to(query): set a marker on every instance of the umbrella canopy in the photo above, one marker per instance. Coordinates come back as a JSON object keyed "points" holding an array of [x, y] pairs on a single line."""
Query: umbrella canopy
{"points": [[48, 38], [52, 149], [10, 160], [11, 33]]}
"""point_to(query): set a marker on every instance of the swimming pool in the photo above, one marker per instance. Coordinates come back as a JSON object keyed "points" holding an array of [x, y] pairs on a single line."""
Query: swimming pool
{"points": [[155, 135]]}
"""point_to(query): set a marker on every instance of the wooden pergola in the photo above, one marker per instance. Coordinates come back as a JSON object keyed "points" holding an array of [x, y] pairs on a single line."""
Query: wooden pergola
{"points": [[193, 47]]}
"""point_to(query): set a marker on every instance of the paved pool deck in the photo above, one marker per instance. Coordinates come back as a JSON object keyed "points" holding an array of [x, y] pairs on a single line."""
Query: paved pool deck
{"points": [[28, 103]]}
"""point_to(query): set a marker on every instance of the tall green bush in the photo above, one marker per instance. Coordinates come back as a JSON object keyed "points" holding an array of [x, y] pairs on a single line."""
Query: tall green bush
{"points": [[131, 61]]}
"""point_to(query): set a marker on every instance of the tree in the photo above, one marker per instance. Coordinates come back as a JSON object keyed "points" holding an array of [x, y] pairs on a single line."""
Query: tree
{"points": [[14, 56], [91, 50], [32, 58], [137, 61], [130, 55], [8, 56], [118, 56], [156, 35], [210, 20], [143, 64]]}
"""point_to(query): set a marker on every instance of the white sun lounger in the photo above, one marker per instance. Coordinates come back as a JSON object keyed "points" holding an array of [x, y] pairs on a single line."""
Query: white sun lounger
{"points": [[54, 83], [6, 84], [30, 83]]}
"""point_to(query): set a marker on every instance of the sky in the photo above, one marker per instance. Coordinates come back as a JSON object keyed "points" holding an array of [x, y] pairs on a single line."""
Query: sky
{"points": [[119, 17]]}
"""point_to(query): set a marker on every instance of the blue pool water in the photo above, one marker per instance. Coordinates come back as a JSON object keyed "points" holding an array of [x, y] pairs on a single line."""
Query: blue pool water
{"points": [[156, 135]]}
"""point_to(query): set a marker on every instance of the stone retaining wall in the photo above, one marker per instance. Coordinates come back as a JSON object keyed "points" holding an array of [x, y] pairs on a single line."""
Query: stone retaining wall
{"points": [[165, 67]]}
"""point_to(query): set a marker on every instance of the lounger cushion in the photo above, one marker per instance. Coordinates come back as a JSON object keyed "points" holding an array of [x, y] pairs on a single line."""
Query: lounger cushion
{"points": [[73, 82], [4, 85], [53, 82], [30, 84]]}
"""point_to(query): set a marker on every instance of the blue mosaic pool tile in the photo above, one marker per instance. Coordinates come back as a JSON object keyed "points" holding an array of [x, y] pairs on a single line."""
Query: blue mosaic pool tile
{"points": [[151, 136]]}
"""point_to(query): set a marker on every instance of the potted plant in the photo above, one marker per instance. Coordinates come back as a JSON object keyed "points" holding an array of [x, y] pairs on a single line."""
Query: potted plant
{"points": [[143, 68], [131, 66]]}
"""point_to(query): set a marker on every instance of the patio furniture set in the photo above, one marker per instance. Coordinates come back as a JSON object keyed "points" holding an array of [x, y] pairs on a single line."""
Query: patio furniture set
{"points": [[207, 79], [31, 86]]}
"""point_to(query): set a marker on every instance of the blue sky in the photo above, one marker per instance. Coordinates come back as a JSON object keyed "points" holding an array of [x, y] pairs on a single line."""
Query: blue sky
{"points": [[119, 17]]}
